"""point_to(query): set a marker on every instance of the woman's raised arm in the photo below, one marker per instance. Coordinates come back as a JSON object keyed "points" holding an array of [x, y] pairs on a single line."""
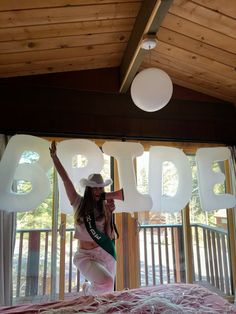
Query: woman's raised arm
{"points": [[70, 189]]}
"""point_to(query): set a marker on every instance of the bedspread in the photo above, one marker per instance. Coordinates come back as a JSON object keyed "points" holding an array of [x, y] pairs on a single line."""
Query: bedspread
{"points": [[163, 299]]}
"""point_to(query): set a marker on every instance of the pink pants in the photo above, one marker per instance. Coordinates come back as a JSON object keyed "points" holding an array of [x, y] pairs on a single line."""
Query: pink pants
{"points": [[98, 267]]}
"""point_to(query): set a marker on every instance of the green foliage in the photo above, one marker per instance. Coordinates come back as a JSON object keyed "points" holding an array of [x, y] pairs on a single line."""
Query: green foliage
{"points": [[197, 214], [41, 217], [170, 183]]}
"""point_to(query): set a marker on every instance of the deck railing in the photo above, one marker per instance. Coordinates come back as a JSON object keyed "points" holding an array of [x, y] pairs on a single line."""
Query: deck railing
{"points": [[31, 263], [162, 256], [161, 259], [212, 257]]}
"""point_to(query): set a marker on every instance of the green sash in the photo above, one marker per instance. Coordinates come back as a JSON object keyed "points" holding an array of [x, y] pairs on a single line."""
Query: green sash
{"points": [[100, 238]]}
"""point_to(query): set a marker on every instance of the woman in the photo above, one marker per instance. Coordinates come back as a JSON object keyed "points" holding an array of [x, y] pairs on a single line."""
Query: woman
{"points": [[95, 229]]}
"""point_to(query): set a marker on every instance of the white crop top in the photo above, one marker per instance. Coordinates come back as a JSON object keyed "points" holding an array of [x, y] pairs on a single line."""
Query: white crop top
{"points": [[81, 232]]}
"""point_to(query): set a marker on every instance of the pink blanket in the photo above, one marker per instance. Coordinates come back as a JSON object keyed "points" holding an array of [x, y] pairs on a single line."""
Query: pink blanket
{"points": [[170, 298]]}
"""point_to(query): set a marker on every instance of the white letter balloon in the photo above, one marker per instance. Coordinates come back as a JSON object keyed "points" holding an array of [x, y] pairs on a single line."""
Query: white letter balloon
{"points": [[207, 178], [35, 173], [151, 89], [125, 153], [67, 150], [164, 203]]}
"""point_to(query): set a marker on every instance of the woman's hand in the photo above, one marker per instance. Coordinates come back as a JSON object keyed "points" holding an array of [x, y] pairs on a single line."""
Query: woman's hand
{"points": [[53, 149], [110, 205]]}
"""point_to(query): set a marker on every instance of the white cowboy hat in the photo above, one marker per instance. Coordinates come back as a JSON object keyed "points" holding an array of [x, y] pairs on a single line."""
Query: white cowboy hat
{"points": [[95, 180]]}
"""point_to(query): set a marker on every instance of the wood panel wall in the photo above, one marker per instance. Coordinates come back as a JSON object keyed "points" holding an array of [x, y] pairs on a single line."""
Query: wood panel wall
{"points": [[88, 105]]}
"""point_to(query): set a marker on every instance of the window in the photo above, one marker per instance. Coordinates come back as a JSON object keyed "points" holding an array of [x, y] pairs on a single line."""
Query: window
{"points": [[41, 273]]}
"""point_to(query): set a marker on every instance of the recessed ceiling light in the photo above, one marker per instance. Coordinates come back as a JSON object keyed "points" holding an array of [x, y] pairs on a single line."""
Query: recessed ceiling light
{"points": [[149, 42]]}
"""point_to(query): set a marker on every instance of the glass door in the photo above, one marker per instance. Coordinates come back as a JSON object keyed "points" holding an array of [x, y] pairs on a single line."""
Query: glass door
{"points": [[35, 262]]}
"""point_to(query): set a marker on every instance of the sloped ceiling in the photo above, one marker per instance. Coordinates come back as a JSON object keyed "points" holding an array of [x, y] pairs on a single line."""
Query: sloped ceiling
{"points": [[196, 39]]}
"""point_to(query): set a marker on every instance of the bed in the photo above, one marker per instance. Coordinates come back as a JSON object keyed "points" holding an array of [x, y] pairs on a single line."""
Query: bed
{"points": [[168, 298]]}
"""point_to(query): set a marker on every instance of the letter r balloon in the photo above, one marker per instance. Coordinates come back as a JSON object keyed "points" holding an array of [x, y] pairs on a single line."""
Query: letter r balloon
{"points": [[66, 151]]}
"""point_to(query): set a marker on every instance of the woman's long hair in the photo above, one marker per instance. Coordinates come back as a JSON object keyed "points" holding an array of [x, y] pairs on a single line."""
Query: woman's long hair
{"points": [[89, 206]]}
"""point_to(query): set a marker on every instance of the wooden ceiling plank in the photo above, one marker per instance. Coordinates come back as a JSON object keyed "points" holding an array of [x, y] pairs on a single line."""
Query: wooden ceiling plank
{"points": [[63, 42], [188, 57], [204, 16], [186, 74], [199, 88], [148, 20], [199, 82], [68, 14], [189, 81], [7, 5], [53, 54], [65, 29], [195, 46], [222, 6], [61, 65], [200, 33], [199, 72]]}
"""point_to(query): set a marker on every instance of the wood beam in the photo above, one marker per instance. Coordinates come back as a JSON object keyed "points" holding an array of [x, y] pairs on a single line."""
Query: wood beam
{"points": [[148, 21]]}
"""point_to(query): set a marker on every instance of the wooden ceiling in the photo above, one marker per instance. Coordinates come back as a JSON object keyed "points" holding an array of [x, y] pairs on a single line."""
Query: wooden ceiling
{"points": [[196, 39]]}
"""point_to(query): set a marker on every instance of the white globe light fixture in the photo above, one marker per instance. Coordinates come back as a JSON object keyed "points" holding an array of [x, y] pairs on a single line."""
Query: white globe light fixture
{"points": [[151, 89]]}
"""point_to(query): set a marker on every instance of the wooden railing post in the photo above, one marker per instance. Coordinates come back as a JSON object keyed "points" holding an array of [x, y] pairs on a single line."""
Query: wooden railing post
{"points": [[231, 228], [62, 232], [33, 264], [119, 243], [127, 247], [187, 245]]}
